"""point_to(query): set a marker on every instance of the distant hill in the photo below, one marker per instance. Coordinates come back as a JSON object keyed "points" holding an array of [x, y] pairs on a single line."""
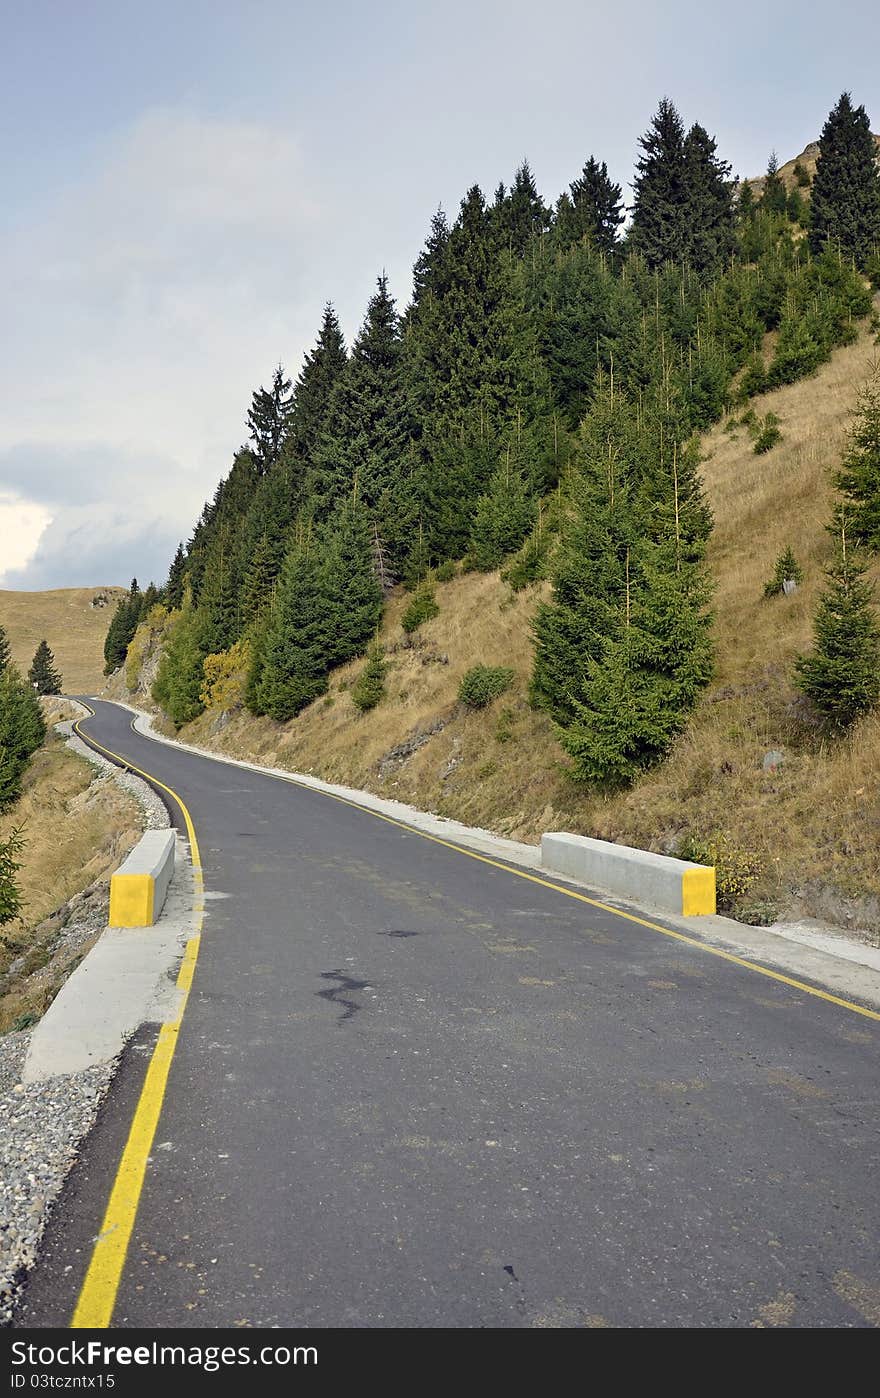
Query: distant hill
{"points": [[807, 158], [73, 620]]}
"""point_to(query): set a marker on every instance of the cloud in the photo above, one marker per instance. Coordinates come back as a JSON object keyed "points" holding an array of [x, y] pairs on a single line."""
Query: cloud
{"points": [[151, 295], [22, 524]]}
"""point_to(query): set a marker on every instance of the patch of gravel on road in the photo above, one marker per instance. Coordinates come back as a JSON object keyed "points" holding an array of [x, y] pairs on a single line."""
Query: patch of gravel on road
{"points": [[155, 811], [41, 1126]]}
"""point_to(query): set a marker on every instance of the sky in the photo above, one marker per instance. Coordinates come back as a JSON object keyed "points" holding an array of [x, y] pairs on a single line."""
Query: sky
{"points": [[185, 184]]}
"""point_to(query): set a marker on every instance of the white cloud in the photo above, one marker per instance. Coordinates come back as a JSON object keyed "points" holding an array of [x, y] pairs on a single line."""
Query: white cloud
{"points": [[150, 297], [22, 524]]}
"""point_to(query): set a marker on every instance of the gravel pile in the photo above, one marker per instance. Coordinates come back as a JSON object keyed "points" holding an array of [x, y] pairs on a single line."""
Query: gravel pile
{"points": [[41, 1125], [155, 811]]}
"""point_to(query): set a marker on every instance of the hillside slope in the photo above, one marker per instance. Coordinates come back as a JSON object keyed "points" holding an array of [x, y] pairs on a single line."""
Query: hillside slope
{"points": [[803, 838], [74, 623], [807, 158]]}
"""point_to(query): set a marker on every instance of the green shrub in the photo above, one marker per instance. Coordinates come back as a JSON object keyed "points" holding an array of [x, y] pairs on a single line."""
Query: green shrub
{"points": [[801, 176], [10, 893], [422, 608], [736, 870], [482, 684], [754, 377], [786, 567], [769, 433], [447, 571], [369, 689]]}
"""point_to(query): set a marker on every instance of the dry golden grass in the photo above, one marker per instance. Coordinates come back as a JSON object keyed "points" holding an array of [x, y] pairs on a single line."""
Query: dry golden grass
{"points": [[813, 826], [66, 619], [77, 829], [807, 158]]}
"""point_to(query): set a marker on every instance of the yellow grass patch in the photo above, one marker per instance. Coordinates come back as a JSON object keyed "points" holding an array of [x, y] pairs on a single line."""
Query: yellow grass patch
{"points": [[73, 627]]}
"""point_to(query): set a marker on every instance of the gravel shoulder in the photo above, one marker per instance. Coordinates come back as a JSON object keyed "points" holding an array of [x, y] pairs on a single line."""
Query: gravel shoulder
{"points": [[43, 1124]]}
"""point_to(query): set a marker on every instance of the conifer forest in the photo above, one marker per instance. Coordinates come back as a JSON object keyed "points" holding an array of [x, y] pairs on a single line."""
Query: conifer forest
{"points": [[536, 408]]}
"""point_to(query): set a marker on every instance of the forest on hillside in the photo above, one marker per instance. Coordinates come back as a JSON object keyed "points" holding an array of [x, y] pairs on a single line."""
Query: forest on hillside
{"points": [[536, 408]]}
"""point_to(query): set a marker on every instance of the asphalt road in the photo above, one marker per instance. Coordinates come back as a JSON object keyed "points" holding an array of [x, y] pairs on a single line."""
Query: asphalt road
{"points": [[412, 1089]]}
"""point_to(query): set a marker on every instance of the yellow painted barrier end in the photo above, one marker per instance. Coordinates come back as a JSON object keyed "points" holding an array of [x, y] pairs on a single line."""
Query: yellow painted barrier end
{"points": [[132, 898], [698, 891]]}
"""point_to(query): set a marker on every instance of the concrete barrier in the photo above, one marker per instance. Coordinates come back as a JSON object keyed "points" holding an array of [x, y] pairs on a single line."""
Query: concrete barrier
{"points": [[139, 886], [673, 885]]}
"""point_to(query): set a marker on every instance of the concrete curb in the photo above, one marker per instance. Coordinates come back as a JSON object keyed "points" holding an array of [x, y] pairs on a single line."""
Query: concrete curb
{"points": [[139, 886], [655, 880], [127, 979], [843, 964]]}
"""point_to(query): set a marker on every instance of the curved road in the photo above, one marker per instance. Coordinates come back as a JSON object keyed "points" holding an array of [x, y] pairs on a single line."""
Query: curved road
{"points": [[414, 1089]]}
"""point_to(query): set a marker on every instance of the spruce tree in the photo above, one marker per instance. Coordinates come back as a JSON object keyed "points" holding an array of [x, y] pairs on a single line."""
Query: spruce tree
{"points": [[123, 625], [710, 203], [640, 690], [312, 394], [596, 209], [267, 419], [176, 576], [365, 445], [178, 685], [859, 477], [22, 730], [845, 200], [593, 564], [521, 214], [661, 226], [292, 659], [42, 674], [841, 675], [352, 590], [774, 199], [502, 518], [265, 536], [5, 653]]}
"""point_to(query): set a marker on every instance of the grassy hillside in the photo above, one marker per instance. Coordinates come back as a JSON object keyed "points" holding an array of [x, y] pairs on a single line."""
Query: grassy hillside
{"points": [[78, 826], [801, 839], [808, 157], [73, 623]]}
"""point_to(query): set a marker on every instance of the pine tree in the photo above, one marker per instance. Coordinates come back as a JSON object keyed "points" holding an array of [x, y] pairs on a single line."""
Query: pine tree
{"points": [[596, 209], [22, 730], [845, 200], [502, 519], [123, 625], [351, 587], [317, 379], [859, 477], [265, 536], [292, 660], [42, 674], [774, 199], [593, 565], [267, 419], [5, 653], [520, 215], [641, 689], [369, 688], [710, 203], [661, 229], [149, 598], [841, 675], [178, 685], [176, 577], [365, 445]]}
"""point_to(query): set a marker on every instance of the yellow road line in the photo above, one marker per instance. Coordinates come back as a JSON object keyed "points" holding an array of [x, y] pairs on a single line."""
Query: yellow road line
{"points": [[97, 1297], [568, 892], [559, 888]]}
